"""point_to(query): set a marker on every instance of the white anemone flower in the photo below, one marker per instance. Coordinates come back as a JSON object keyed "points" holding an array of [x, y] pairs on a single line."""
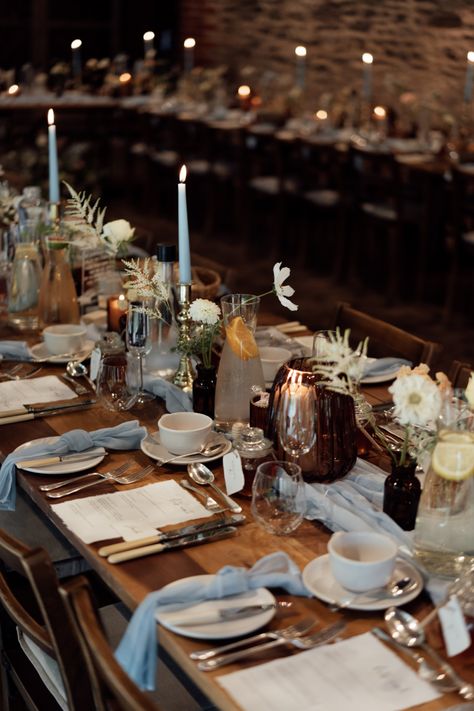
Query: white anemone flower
{"points": [[116, 233], [204, 311], [283, 292], [416, 398], [470, 392]]}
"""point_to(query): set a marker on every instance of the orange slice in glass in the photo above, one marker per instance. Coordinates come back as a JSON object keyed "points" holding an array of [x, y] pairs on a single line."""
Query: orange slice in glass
{"points": [[241, 339]]}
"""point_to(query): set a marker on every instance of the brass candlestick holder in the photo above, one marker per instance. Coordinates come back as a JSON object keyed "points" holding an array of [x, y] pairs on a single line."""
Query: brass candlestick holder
{"points": [[184, 375]]}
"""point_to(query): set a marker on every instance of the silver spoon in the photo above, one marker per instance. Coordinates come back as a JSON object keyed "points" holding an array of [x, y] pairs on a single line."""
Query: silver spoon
{"points": [[394, 588], [203, 475], [407, 630], [208, 449], [76, 369]]}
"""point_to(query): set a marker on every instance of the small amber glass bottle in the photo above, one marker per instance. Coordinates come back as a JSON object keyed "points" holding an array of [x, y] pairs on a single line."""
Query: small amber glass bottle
{"points": [[401, 494]]}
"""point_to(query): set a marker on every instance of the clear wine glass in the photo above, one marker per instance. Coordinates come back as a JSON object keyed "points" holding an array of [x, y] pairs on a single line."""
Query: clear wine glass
{"points": [[113, 386], [296, 425], [278, 497], [138, 337]]}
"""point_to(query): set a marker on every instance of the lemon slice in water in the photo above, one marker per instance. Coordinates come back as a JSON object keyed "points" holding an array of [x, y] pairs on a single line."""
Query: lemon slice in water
{"points": [[453, 457]]}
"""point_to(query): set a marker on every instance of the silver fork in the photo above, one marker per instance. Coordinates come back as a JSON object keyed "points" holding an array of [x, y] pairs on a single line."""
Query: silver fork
{"points": [[105, 475], [209, 503], [322, 637], [296, 630], [125, 479]]}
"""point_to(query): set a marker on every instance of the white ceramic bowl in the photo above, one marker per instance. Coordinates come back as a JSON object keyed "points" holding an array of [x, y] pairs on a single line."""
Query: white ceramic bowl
{"points": [[272, 358], [184, 432], [362, 560], [64, 338]]}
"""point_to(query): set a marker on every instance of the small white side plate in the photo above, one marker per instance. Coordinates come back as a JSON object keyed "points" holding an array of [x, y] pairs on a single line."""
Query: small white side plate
{"points": [[39, 351], [318, 578], [228, 628], [152, 447], [379, 377], [62, 467]]}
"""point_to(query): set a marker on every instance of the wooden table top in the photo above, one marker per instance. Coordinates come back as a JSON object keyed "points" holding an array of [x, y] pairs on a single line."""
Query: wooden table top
{"points": [[131, 581]]}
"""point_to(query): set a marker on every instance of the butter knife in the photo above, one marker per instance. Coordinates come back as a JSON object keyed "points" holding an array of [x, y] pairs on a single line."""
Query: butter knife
{"points": [[28, 412], [168, 545], [223, 614], [177, 533], [56, 459]]}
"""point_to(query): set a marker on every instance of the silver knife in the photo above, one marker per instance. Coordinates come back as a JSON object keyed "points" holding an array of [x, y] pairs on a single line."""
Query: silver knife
{"points": [[191, 530], [31, 413], [223, 614], [177, 543], [57, 458]]}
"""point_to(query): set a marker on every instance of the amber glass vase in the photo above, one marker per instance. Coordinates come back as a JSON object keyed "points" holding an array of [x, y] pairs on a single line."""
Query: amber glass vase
{"points": [[204, 390], [334, 449], [57, 296]]}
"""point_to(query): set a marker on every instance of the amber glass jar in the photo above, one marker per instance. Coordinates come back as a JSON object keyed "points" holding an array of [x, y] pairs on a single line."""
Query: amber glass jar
{"points": [[334, 451]]}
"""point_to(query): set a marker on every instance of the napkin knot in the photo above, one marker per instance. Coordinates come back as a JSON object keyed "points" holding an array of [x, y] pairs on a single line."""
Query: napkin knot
{"points": [[77, 439]]}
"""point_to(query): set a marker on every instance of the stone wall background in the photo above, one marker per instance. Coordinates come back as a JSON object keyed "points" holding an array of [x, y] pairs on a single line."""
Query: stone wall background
{"points": [[418, 45]]}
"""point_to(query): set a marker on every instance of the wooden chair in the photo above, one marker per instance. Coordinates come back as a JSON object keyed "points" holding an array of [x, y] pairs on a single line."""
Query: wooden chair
{"points": [[459, 374], [385, 339], [113, 688], [39, 650]]}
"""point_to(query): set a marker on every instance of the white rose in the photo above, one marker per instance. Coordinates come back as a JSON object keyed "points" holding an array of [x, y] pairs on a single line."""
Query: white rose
{"points": [[117, 232], [470, 392]]}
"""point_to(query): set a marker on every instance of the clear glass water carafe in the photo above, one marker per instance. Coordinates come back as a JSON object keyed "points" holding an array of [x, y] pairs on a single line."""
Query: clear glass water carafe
{"points": [[163, 358], [240, 368], [24, 279], [444, 530]]}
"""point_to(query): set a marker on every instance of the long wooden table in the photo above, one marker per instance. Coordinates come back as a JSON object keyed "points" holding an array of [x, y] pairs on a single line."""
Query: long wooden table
{"points": [[131, 581]]}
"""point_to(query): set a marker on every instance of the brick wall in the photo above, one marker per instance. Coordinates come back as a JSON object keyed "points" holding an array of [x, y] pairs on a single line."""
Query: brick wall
{"points": [[418, 45]]}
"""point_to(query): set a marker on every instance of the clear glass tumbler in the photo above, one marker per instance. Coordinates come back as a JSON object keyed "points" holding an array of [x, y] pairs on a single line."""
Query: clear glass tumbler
{"points": [[114, 390], [278, 497]]}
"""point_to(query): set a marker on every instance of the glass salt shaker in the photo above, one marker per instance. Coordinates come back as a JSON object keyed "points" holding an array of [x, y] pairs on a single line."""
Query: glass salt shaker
{"points": [[254, 449]]}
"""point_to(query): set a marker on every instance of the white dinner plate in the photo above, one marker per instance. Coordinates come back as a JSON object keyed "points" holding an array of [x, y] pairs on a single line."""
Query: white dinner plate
{"points": [[227, 628], [39, 351], [318, 578], [380, 377], [153, 448], [61, 467]]}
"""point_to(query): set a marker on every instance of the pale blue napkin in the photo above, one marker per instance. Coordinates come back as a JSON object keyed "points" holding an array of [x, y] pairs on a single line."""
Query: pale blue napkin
{"points": [[137, 651], [14, 350], [127, 435], [176, 399], [384, 366]]}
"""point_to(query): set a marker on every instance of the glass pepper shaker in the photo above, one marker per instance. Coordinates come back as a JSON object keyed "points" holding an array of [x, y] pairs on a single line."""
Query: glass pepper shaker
{"points": [[402, 494], [254, 449]]}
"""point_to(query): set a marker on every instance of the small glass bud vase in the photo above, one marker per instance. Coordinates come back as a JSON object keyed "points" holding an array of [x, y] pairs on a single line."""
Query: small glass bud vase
{"points": [[204, 390], [402, 494]]}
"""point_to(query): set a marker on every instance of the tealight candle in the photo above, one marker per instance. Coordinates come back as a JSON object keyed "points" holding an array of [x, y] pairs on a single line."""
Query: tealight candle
{"points": [[189, 44], [469, 77], [183, 231], [367, 60], [116, 313], [53, 159]]}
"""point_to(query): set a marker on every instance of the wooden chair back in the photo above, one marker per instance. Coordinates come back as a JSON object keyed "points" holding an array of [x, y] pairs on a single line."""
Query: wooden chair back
{"points": [[113, 688], [384, 338], [459, 374], [30, 601]]}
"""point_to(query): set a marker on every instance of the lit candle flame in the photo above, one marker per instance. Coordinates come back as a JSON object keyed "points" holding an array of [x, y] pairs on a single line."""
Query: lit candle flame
{"points": [[75, 44], [243, 91], [189, 43], [380, 112], [470, 56], [182, 174], [367, 58], [300, 51], [13, 89], [321, 114], [51, 117], [148, 36], [123, 78]]}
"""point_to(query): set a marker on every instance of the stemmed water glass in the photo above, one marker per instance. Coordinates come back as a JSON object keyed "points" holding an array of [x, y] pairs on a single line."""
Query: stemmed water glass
{"points": [[296, 420], [138, 336]]}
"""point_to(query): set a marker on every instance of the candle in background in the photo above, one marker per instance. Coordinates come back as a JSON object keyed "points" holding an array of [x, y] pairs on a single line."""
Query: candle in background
{"points": [[76, 58], [367, 60], [300, 53], [321, 118], [148, 46], [183, 231], [189, 44], [117, 307], [243, 92], [469, 77], [53, 159], [13, 90], [380, 118]]}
